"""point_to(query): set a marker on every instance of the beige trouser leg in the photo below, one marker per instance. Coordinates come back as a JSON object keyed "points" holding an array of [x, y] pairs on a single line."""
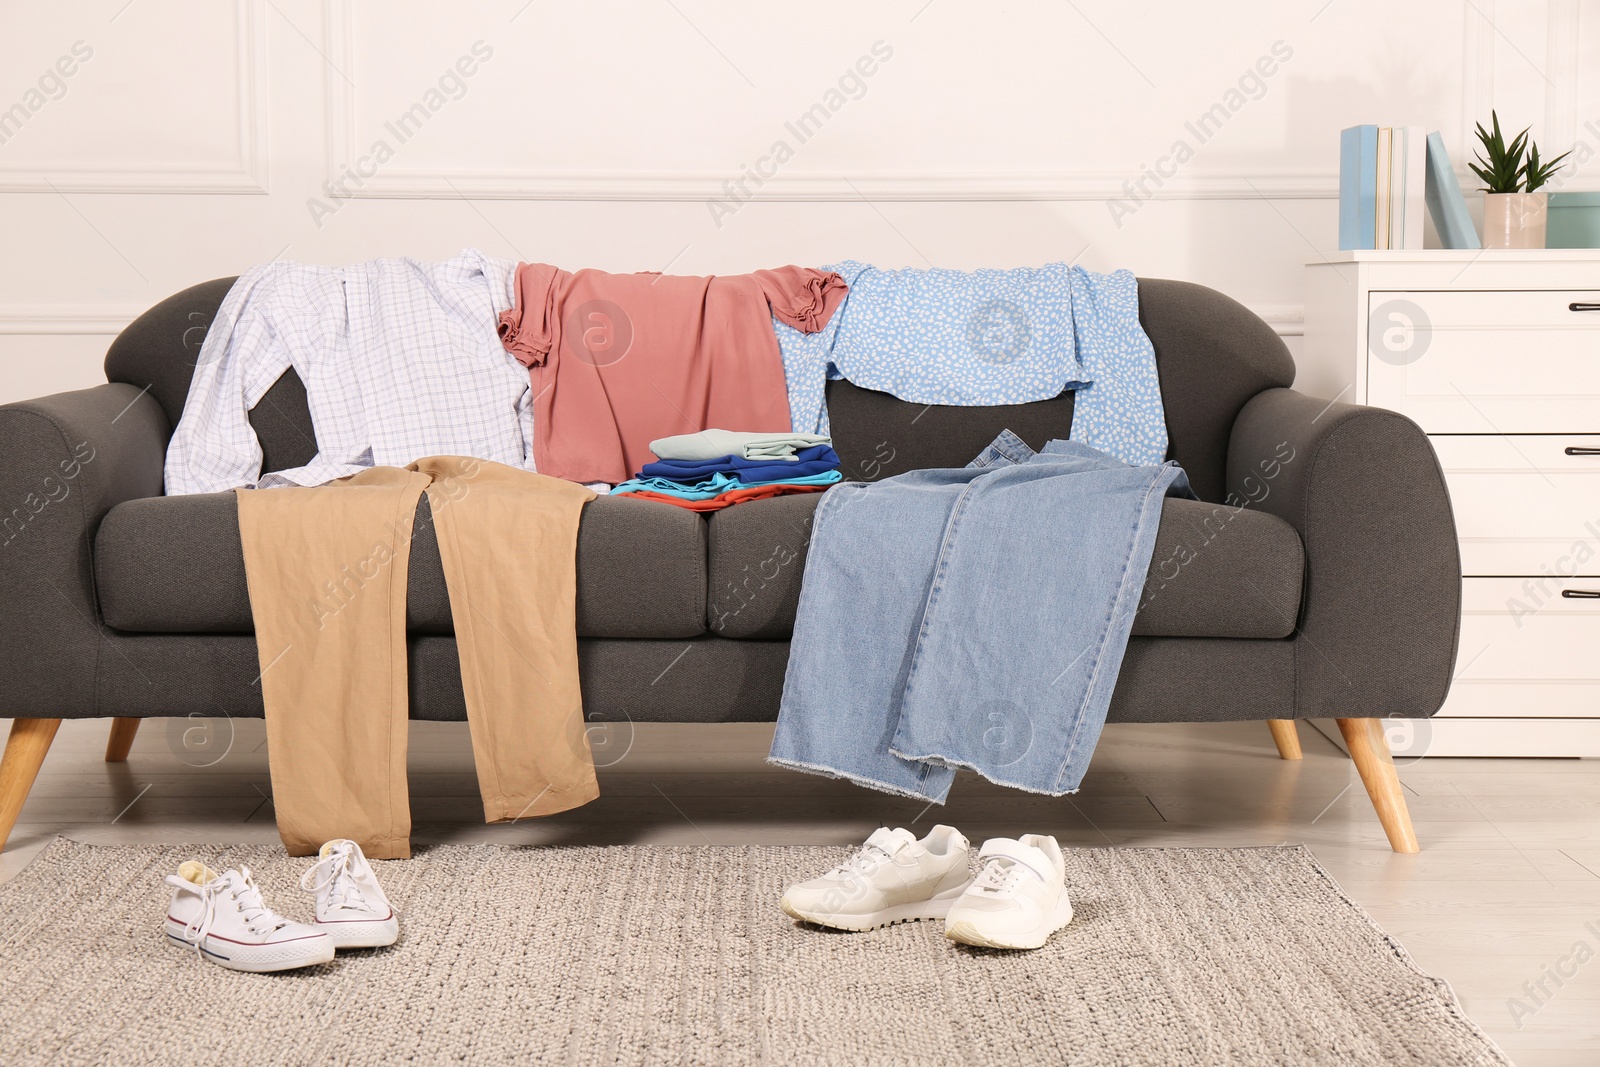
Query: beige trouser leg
{"points": [[327, 570], [327, 574], [508, 539]]}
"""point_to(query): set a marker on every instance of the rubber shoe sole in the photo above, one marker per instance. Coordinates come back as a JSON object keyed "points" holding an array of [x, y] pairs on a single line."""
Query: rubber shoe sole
{"points": [[362, 933], [900, 913], [967, 932], [259, 959]]}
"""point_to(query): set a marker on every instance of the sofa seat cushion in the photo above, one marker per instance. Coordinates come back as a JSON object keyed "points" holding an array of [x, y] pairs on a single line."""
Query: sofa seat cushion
{"points": [[1217, 571], [174, 565]]}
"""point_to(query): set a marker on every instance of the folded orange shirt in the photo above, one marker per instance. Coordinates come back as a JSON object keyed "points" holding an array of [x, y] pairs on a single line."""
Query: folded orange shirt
{"points": [[723, 500], [620, 360]]}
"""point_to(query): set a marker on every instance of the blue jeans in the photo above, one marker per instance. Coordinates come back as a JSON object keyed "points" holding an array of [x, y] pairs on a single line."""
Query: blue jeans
{"points": [[972, 617]]}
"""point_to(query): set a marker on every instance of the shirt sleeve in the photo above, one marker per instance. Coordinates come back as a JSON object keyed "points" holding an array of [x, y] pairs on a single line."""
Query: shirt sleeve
{"points": [[527, 329], [802, 297], [525, 422], [214, 448], [501, 275]]}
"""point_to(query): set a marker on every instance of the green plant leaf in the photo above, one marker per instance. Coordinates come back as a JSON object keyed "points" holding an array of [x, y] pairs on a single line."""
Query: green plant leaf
{"points": [[1538, 172], [1503, 166]]}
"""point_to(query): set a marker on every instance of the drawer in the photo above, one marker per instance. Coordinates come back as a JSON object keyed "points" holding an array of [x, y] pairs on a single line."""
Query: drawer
{"points": [[1487, 362], [1522, 505], [1526, 650]]}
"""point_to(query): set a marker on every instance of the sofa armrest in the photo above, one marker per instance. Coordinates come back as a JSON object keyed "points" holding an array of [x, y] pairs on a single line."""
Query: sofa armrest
{"points": [[65, 460], [1380, 617]]}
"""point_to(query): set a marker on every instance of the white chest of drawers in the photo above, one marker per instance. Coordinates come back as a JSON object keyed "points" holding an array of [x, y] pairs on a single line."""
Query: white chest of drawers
{"points": [[1496, 355]]}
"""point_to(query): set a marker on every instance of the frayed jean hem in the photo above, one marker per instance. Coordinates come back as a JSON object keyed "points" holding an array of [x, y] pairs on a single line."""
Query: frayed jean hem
{"points": [[868, 783], [954, 764]]}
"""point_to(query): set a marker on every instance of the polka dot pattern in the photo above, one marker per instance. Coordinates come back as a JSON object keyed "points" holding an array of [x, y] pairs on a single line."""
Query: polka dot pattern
{"points": [[989, 337]]}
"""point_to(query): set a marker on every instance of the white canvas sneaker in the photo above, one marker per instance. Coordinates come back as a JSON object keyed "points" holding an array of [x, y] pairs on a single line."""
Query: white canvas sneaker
{"points": [[224, 918], [1018, 899], [350, 904], [893, 879]]}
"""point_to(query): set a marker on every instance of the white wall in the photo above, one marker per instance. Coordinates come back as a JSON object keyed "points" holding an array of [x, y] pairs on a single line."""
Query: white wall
{"points": [[191, 140]]}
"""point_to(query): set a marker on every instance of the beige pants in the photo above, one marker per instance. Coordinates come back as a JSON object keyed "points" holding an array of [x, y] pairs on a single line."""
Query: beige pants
{"points": [[327, 570]]}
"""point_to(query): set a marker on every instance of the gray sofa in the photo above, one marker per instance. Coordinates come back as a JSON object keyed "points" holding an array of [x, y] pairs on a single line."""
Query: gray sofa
{"points": [[1334, 591]]}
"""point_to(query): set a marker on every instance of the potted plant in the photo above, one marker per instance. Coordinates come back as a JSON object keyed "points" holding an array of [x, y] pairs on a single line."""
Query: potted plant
{"points": [[1514, 211]]}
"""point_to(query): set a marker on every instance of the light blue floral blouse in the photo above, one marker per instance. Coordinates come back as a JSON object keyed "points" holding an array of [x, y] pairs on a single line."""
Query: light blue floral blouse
{"points": [[989, 337]]}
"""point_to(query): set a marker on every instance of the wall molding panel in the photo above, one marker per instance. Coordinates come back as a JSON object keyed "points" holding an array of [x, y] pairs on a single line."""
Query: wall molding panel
{"points": [[110, 319], [1286, 320], [1562, 103], [249, 176], [634, 184], [669, 186], [647, 185], [45, 320]]}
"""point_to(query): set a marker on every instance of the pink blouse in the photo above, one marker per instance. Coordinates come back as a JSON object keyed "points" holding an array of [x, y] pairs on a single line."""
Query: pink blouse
{"points": [[619, 360]]}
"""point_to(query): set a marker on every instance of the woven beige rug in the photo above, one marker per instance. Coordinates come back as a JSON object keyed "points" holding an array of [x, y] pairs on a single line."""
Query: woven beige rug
{"points": [[646, 955]]}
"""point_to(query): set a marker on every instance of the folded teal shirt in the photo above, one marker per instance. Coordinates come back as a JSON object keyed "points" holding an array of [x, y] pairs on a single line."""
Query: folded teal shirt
{"points": [[716, 485]]}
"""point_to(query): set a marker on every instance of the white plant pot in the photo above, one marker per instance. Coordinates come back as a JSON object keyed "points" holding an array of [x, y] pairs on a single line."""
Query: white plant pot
{"points": [[1514, 220]]}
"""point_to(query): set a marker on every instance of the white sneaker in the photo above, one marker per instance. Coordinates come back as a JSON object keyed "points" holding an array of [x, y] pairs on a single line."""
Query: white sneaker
{"points": [[1018, 899], [225, 919], [350, 905], [893, 879]]}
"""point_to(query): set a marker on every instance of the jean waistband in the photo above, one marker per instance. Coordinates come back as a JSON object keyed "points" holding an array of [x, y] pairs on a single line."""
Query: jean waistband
{"points": [[1003, 451]]}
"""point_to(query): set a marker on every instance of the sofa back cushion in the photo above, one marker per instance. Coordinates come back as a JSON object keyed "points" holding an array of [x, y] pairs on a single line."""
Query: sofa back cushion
{"points": [[159, 349], [1212, 355]]}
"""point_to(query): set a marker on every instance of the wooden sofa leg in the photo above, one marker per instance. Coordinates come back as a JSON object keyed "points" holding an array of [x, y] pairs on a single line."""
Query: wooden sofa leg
{"points": [[120, 744], [1370, 751], [1285, 734], [25, 749]]}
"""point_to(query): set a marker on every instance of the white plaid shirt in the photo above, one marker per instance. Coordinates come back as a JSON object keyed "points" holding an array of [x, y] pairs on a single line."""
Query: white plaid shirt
{"points": [[400, 360]]}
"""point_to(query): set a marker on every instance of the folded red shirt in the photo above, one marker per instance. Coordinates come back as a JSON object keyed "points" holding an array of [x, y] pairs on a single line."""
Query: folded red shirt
{"points": [[723, 500]]}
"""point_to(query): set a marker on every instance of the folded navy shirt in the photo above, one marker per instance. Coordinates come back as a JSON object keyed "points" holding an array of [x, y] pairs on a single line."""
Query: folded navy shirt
{"points": [[814, 460]]}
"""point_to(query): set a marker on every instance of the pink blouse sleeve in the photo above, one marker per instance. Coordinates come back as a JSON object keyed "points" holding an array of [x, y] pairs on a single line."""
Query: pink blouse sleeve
{"points": [[802, 297], [527, 330]]}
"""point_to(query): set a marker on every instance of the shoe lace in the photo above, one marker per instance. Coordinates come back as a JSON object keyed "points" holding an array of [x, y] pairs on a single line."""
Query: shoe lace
{"points": [[867, 859], [332, 872], [238, 888], [1000, 875]]}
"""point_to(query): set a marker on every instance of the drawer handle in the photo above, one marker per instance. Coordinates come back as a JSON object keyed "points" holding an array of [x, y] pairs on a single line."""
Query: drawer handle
{"points": [[1581, 594], [1575, 306], [1579, 450]]}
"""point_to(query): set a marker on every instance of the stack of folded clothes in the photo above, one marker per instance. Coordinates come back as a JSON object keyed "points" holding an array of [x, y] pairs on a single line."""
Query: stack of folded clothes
{"points": [[713, 469]]}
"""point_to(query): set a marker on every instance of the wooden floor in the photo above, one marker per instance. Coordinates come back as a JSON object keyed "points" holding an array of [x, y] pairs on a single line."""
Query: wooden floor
{"points": [[1505, 890]]}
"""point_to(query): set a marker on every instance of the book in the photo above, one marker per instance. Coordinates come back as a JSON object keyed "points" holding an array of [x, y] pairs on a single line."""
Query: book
{"points": [[1384, 199], [1397, 191], [1416, 200], [1445, 202], [1358, 176]]}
